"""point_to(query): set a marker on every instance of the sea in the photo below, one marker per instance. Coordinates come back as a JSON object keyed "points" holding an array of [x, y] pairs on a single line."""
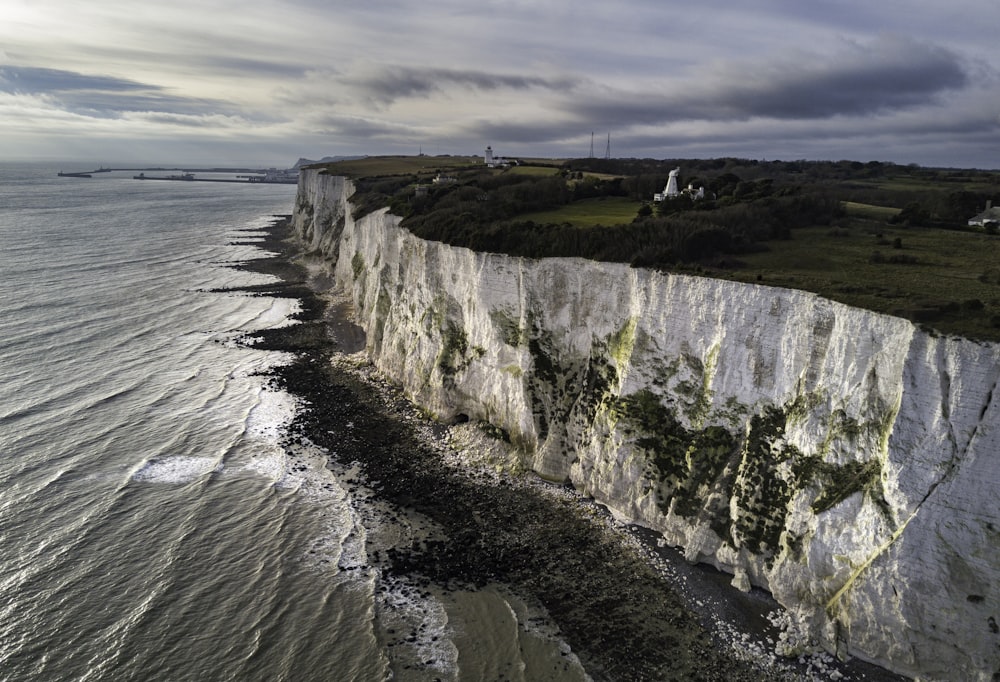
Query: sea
{"points": [[152, 524]]}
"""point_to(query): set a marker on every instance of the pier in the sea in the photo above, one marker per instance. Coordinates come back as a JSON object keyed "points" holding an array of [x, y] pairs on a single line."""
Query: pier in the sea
{"points": [[239, 175]]}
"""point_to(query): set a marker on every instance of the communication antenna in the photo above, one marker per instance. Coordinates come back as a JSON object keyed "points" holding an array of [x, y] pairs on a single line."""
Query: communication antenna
{"points": [[607, 151], [591, 145]]}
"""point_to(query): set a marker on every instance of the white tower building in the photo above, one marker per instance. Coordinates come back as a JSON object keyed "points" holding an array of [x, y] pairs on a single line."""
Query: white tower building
{"points": [[671, 189], [489, 157]]}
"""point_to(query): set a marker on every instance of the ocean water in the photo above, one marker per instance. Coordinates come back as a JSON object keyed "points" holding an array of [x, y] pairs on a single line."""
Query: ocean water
{"points": [[151, 525]]}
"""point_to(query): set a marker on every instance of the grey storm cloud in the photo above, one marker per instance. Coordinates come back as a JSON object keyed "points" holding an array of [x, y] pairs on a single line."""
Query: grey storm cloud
{"points": [[359, 127], [391, 83], [892, 74], [247, 66], [799, 79], [29, 80], [535, 132], [100, 96]]}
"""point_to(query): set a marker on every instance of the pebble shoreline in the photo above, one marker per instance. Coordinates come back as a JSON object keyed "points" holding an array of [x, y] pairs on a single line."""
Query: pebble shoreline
{"points": [[629, 607]]}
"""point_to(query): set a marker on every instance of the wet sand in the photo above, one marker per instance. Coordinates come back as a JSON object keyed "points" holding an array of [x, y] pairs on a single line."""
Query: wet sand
{"points": [[628, 608]]}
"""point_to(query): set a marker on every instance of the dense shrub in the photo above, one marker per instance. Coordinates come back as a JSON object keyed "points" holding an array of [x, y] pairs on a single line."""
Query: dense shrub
{"points": [[742, 209]]}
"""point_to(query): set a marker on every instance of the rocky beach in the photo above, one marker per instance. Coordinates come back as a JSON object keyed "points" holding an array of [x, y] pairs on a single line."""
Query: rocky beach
{"points": [[456, 518]]}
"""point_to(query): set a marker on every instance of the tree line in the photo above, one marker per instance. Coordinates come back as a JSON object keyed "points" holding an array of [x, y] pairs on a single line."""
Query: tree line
{"points": [[483, 211]]}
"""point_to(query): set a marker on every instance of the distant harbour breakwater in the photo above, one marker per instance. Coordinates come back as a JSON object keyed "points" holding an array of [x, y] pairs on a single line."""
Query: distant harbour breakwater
{"points": [[845, 461], [236, 175]]}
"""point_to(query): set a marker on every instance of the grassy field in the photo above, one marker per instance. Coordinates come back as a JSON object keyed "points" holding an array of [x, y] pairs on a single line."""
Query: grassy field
{"points": [[870, 211], [951, 282], [380, 166], [910, 183], [531, 161], [589, 212], [538, 171]]}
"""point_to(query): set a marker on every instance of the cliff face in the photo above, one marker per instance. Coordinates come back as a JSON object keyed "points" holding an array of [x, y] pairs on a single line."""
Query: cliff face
{"points": [[844, 460]]}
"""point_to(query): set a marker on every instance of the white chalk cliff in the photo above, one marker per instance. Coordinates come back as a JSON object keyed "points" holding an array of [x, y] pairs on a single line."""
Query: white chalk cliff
{"points": [[844, 460]]}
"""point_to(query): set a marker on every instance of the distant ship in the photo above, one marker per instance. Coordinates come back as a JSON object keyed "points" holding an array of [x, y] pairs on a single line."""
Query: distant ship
{"points": [[75, 175]]}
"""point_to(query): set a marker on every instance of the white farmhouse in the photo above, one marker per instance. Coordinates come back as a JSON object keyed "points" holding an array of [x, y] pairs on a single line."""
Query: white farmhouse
{"points": [[990, 215]]}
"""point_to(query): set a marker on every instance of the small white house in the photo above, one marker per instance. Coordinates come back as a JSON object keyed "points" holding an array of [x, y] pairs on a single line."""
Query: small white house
{"points": [[990, 215]]}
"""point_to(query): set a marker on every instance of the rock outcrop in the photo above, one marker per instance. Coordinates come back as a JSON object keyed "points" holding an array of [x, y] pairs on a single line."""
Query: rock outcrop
{"points": [[844, 460]]}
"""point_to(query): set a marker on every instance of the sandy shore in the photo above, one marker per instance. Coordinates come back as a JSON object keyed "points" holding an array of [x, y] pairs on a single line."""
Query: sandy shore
{"points": [[629, 608]]}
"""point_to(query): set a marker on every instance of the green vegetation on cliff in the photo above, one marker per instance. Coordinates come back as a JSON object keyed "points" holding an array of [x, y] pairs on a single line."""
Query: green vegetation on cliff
{"points": [[888, 238]]}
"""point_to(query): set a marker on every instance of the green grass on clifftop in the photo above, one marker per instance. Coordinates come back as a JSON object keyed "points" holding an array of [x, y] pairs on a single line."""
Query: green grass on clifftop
{"points": [[589, 212], [381, 166], [945, 279]]}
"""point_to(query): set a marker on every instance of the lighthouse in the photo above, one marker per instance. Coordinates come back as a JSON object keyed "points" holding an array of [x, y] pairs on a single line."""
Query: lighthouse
{"points": [[489, 157]]}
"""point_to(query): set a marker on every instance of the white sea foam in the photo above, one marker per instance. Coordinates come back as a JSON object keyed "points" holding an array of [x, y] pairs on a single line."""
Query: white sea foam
{"points": [[278, 314], [410, 617], [269, 466], [268, 419], [259, 451], [418, 621], [179, 469], [341, 547]]}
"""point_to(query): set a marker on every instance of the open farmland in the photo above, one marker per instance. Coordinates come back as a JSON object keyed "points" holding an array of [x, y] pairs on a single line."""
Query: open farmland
{"points": [[946, 279], [589, 212], [382, 166]]}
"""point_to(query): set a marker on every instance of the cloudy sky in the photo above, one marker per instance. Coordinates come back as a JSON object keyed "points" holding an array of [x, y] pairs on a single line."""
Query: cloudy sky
{"points": [[265, 82]]}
